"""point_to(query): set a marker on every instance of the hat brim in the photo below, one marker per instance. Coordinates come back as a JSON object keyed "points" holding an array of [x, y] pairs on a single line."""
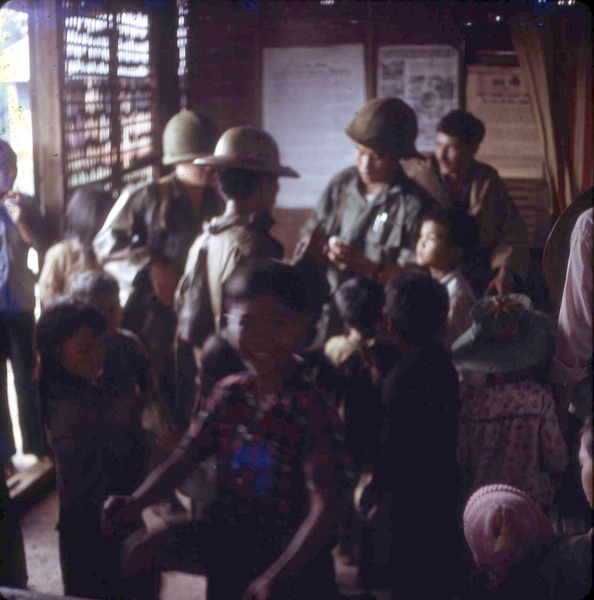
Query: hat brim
{"points": [[376, 146], [227, 162], [473, 352], [182, 158]]}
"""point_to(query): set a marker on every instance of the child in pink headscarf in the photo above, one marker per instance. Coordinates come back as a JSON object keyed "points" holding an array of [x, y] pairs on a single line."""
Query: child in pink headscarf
{"points": [[508, 535]]}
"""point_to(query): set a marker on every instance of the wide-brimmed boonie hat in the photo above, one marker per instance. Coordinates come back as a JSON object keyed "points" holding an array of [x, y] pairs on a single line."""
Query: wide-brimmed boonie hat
{"points": [[247, 148], [506, 335], [386, 125]]}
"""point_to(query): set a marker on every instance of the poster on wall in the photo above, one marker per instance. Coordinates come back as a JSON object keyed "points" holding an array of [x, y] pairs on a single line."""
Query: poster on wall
{"points": [[427, 78], [498, 96], [309, 97]]}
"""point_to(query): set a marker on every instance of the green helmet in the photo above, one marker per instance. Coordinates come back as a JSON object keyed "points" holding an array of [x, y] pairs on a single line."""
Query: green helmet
{"points": [[386, 125], [188, 136]]}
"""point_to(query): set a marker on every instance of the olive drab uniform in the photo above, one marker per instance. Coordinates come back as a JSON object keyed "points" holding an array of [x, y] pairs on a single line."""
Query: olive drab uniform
{"points": [[385, 228], [154, 222]]}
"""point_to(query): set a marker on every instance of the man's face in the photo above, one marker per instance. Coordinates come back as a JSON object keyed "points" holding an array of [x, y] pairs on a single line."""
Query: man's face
{"points": [[264, 333], [374, 167], [198, 175], [453, 156]]}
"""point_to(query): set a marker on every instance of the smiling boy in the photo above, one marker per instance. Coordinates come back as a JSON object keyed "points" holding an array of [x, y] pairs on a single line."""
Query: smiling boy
{"points": [[269, 529]]}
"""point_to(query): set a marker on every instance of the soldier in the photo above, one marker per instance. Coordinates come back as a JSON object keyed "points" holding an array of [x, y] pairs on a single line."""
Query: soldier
{"points": [[455, 179], [248, 166], [146, 237], [371, 212]]}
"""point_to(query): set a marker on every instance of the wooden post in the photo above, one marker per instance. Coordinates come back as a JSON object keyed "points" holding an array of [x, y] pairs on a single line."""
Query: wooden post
{"points": [[45, 87]]}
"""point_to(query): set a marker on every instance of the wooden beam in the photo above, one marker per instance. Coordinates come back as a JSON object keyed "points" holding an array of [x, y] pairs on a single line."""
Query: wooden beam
{"points": [[45, 89]]}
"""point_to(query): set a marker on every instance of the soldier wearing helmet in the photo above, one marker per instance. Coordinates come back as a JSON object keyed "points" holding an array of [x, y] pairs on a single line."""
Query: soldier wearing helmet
{"points": [[248, 164], [370, 213], [146, 236]]}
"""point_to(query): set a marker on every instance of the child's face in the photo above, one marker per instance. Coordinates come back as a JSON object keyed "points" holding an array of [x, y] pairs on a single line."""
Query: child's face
{"points": [[264, 333], [586, 465], [109, 306], [83, 353], [433, 248]]}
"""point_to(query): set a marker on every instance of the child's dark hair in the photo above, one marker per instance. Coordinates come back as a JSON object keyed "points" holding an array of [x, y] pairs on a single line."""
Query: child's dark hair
{"points": [[267, 277], [463, 125], [359, 302], [60, 320], [238, 184], [587, 436], [92, 283], [86, 213], [461, 228], [417, 306]]}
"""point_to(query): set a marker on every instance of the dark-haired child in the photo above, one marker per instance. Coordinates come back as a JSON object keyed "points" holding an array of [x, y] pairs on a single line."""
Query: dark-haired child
{"points": [[567, 570], [445, 238], [93, 427], [415, 478], [74, 255], [272, 436]]}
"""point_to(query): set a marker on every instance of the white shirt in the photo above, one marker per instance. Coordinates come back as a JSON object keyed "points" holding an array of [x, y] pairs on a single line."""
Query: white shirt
{"points": [[574, 330], [461, 301]]}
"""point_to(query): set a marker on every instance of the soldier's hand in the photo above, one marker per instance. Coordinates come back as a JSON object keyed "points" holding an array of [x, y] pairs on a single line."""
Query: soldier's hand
{"points": [[117, 511], [314, 245], [163, 278], [347, 258]]}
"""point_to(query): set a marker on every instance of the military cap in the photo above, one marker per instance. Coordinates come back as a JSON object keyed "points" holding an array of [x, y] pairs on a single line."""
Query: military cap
{"points": [[386, 125]]}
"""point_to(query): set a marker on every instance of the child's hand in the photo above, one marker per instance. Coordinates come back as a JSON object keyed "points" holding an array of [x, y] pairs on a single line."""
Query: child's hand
{"points": [[259, 589], [117, 511]]}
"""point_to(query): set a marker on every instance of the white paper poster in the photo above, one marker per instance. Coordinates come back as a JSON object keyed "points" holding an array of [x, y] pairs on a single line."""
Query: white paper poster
{"points": [[309, 97], [425, 77], [498, 96]]}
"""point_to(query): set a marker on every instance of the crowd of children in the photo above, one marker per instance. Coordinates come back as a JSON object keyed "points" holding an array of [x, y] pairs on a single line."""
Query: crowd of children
{"points": [[423, 442]]}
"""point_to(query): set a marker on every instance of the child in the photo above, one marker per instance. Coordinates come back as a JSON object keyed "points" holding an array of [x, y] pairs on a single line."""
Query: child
{"points": [[509, 431], [359, 303], [415, 473], [508, 534], [445, 237], [272, 437], [74, 255], [93, 428], [567, 570]]}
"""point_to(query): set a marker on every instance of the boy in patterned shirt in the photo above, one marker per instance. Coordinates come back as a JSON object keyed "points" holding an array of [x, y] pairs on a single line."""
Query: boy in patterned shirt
{"points": [[269, 528]]}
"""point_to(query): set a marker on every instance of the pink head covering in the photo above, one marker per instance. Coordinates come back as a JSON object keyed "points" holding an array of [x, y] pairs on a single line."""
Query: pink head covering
{"points": [[502, 525]]}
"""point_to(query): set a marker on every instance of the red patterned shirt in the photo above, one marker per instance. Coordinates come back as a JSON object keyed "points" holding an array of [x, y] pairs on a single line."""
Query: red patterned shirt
{"points": [[262, 451]]}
